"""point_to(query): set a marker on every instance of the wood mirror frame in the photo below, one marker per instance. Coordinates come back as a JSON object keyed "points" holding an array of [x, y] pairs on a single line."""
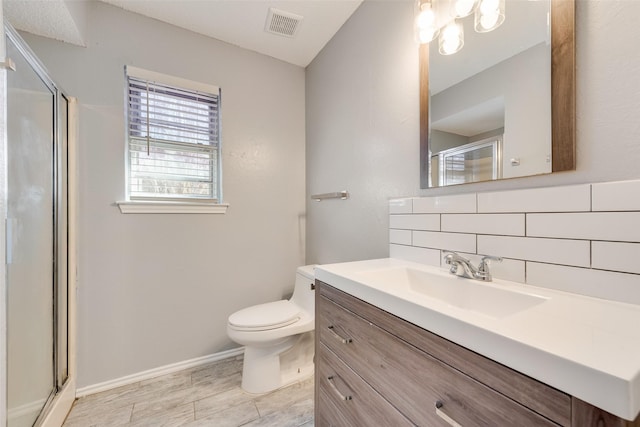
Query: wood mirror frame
{"points": [[563, 93]]}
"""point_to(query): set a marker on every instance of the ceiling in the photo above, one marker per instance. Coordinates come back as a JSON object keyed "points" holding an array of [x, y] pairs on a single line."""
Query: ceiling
{"points": [[239, 22]]}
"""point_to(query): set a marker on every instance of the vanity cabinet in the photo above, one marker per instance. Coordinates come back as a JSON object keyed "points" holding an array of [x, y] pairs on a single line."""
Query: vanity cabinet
{"points": [[375, 369]]}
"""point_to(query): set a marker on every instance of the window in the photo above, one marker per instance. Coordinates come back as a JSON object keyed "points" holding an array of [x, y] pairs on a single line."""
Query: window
{"points": [[173, 149]]}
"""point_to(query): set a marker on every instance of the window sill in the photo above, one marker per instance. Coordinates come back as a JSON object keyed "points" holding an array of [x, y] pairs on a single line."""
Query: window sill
{"points": [[166, 207]]}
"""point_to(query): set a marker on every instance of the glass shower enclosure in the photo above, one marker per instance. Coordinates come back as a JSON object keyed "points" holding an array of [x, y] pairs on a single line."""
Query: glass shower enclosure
{"points": [[37, 239]]}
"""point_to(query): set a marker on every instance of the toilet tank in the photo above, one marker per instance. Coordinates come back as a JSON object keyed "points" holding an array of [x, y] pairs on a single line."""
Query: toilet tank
{"points": [[303, 295]]}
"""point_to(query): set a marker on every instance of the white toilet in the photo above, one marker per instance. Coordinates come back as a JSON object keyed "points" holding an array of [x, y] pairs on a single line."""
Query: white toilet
{"points": [[278, 337]]}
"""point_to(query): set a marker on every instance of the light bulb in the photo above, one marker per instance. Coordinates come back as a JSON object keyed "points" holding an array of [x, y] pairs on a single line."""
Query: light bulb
{"points": [[488, 6], [425, 36], [489, 15], [427, 17], [425, 24], [451, 38], [489, 20], [462, 8]]}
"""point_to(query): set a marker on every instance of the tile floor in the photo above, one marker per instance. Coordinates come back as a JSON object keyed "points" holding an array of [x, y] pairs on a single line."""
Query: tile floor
{"points": [[208, 395]]}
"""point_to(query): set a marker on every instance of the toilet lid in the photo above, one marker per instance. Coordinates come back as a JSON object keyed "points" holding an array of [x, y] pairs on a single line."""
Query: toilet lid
{"points": [[266, 316]]}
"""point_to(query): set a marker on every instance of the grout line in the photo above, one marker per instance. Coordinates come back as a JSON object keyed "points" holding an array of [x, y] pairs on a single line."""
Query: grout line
{"points": [[257, 410]]}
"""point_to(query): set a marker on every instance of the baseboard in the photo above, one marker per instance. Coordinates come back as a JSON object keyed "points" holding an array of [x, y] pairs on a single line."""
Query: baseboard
{"points": [[28, 410], [156, 372]]}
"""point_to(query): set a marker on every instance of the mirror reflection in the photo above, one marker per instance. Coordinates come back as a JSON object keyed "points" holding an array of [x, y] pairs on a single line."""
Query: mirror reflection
{"points": [[490, 102]]}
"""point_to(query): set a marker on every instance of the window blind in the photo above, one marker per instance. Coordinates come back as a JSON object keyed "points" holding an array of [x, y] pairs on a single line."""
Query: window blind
{"points": [[174, 139]]}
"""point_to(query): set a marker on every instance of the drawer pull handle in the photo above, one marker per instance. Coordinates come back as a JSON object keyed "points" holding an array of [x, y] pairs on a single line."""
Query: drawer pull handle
{"points": [[338, 337], [336, 391], [444, 416]]}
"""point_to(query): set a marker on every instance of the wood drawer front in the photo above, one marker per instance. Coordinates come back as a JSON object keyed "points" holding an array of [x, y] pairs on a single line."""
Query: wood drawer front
{"points": [[327, 414], [543, 399], [365, 406], [412, 380]]}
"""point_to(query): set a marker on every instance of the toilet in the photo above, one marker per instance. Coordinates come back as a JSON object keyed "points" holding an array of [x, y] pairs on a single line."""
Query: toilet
{"points": [[278, 337]]}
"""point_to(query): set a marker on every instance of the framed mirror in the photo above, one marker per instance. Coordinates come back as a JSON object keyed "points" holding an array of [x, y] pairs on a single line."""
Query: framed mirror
{"points": [[504, 105]]}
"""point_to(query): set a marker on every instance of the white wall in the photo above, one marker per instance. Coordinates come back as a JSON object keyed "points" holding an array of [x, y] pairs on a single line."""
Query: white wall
{"points": [[156, 289], [362, 120]]}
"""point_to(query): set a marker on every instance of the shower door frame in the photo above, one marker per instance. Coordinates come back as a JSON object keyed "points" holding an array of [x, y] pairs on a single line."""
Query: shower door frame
{"points": [[57, 408]]}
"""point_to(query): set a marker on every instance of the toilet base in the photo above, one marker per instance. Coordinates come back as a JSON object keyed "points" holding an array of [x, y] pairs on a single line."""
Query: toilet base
{"points": [[269, 368]]}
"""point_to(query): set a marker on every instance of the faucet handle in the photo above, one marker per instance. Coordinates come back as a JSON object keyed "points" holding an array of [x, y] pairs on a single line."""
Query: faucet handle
{"points": [[490, 258], [452, 256], [483, 269]]}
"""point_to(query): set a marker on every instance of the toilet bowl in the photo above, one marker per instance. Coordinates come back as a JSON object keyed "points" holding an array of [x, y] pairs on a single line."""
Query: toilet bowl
{"points": [[278, 337]]}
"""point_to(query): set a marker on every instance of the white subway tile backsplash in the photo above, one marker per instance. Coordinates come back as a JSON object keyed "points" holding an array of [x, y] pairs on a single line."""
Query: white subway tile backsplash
{"points": [[616, 196], [508, 269], [614, 256], [615, 226], [580, 238], [400, 206], [414, 254], [555, 251], [585, 281], [430, 222], [449, 241], [460, 203], [401, 237], [502, 224], [575, 198]]}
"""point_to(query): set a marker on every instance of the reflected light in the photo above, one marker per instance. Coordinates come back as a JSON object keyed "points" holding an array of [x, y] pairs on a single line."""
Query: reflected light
{"points": [[462, 8], [489, 16], [451, 38], [426, 27], [434, 17]]}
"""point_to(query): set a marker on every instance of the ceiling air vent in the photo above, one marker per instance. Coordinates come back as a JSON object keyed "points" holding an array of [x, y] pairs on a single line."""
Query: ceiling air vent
{"points": [[282, 23]]}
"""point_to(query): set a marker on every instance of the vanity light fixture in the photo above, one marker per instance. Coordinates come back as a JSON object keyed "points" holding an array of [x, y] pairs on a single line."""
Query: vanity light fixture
{"points": [[426, 26], [463, 8], [451, 38], [489, 15], [442, 19]]}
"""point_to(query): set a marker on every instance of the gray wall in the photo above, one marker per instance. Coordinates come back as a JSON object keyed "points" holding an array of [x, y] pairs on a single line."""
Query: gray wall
{"points": [[362, 120], [441, 141], [362, 131], [155, 289]]}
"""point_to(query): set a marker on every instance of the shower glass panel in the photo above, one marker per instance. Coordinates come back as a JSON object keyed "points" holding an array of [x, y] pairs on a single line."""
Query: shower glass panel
{"points": [[62, 259], [31, 242]]}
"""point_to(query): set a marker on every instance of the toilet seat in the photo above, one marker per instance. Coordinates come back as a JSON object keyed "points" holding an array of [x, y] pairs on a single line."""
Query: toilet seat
{"points": [[267, 316]]}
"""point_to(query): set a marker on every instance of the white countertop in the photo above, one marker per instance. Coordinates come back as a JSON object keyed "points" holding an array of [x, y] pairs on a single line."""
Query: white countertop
{"points": [[586, 347]]}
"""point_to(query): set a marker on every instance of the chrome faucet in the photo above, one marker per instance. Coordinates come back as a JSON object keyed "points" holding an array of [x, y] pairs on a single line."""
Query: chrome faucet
{"points": [[456, 261]]}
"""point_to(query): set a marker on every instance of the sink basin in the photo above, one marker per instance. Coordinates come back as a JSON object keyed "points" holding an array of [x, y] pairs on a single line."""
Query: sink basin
{"points": [[472, 295]]}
